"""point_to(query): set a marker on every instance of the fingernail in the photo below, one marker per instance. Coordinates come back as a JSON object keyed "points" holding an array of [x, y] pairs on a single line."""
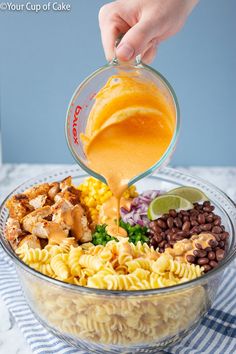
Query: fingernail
{"points": [[125, 51]]}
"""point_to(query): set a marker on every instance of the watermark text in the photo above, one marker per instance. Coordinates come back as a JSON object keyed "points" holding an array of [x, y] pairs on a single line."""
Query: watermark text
{"points": [[35, 7]]}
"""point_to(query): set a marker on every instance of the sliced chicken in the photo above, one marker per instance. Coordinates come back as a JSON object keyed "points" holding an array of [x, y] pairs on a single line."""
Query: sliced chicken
{"points": [[72, 218], [79, 228], [35, 191], [66, 182], [71, 194], [54, 189], [19, 206], [39, 201], [51, 212], [30, 220], [62, 213], [13, 229], [55, 233]]}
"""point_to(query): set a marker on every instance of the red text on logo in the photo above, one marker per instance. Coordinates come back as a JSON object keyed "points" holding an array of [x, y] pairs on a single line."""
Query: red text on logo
{"points": [[75, 124]]}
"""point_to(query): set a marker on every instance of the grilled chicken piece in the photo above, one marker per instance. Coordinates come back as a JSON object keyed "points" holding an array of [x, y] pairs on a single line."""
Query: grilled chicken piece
{"points": [[49, 211], [79, 228], [72, 218], [35, 191], [39, 201], [62, 213], [70, 194], [19, 206], [55, 232], [66, 182], [13, 229], [36, 224], [54, 189], [30, 220], [31, 240]]}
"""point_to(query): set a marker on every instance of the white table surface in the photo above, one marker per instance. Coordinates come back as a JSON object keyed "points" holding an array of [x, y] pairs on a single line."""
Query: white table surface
{"points": [[11, 339]]}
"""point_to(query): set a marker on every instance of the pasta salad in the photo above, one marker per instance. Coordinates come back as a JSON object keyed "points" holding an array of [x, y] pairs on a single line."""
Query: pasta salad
{"points": [[65, 232]]}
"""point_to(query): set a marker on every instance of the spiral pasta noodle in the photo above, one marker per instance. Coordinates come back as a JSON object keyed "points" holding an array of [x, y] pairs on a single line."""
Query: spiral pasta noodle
{"points": [[116, 266]]}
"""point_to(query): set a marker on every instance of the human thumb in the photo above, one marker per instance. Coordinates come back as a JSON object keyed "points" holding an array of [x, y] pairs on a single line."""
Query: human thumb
{"points": [[135, 41]]}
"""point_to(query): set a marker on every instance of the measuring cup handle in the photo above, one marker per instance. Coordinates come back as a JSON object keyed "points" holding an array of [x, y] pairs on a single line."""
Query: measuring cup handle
{"points": [[115, 59]]}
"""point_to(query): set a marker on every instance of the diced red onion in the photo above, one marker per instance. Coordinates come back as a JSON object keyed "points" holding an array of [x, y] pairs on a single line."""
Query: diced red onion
{"points": [[139, 208]]}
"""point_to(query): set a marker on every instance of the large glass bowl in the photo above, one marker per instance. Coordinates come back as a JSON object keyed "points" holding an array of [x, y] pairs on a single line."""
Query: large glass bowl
{"points": [[125, 322]]}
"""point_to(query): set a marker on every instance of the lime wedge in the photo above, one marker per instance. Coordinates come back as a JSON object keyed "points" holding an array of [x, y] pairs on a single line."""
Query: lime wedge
{"points": [[192, 194], [164, 203]]}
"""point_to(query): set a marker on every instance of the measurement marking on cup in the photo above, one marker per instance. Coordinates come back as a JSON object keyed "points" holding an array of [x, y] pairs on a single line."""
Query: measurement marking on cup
{"points": [[75, 124]]}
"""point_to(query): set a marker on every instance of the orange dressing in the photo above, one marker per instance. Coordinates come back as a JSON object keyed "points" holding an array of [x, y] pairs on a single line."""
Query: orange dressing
{"points": [[129, 129]]}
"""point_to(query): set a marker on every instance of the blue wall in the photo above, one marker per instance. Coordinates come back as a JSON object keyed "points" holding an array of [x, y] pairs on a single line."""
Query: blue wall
{"points": [[44, 56]]}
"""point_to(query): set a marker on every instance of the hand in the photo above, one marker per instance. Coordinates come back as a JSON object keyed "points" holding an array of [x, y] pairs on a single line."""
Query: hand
{"points": [[145, 23]]}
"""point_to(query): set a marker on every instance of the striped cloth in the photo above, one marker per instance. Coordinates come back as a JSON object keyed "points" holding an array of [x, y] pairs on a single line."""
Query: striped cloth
{"points": [[216, 333]]}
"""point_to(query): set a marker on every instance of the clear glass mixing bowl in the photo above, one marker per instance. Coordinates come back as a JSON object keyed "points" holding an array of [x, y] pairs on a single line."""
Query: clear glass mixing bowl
{"points": [[125, 322], [83, 100]]}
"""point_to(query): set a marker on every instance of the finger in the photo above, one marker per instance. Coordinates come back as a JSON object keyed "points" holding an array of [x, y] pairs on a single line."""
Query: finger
{"points": [[149, 55], [111, 28], [135, 41]]}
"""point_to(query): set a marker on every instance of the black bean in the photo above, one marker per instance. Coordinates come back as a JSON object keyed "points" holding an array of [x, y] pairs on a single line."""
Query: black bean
{"points": [[193, 218], [224, 236], [206, 227], [217, 221], [209, 219], [198, 246], [178, 222], [173, 213], [211, 255], [216, 229], [162, 244], [222, 244], [190, 258], [207, 208], [196, 229], [202, 253], [206, 267], [165, 216], [217, 237], [156, 228], [158, 238], [184, 212], [196, 253], [161, 223], [203, 261], [220, 254], [194, 223], [201, 219], [170, 222], [213, 264], [186, 226], [213, 243], [177, 237]]}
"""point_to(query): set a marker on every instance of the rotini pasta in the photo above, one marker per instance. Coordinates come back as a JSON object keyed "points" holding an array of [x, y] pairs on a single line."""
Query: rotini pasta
{"points": [[119, 321], [116, 266]]}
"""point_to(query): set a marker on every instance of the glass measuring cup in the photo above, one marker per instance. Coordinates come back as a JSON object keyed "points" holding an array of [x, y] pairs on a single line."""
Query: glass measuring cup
{"points": [[84, 98]]}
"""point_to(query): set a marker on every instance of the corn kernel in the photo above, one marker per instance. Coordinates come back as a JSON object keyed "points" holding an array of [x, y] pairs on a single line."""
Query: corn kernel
{"points": [[94, 193]]}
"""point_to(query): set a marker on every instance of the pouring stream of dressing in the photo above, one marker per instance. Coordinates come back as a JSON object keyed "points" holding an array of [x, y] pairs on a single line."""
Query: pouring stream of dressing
{"points": [[129, 129]]}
